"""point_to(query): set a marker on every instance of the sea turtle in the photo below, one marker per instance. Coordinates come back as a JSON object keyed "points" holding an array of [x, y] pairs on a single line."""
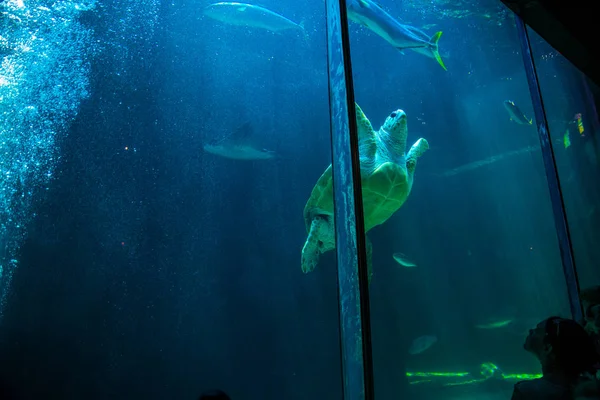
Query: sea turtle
{"points": [[387, 177]]}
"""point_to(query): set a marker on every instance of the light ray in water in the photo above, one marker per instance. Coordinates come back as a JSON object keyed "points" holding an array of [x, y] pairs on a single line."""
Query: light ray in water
{"points": [[487, 161]]}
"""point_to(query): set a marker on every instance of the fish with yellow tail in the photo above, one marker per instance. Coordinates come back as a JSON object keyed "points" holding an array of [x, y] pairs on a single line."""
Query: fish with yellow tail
{"points": [[375, 18], [515, 113]]}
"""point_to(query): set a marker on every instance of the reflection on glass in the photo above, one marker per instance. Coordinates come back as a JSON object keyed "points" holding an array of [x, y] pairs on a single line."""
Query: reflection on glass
{"points": [[470, 262], [265, 105], [165, 259], [570, 101]]}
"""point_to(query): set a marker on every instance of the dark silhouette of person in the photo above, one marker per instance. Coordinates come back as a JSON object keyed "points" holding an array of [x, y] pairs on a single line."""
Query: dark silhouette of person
{"points": [[590, 300], [565, 351], [588, 390], [6, 391], [214, 395]]}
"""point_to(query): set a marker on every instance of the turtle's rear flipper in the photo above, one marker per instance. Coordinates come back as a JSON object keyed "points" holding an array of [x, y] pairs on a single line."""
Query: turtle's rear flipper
{"points": [[310, 251]]}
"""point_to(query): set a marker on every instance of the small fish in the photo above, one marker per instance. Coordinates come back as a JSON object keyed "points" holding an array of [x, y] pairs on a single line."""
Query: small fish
{"points": [[516, 114], [373, 17], [495, 324], [238, 146], [402, 260], [490, 370], [242, 14], [422, 343], [577, 120], [566, 139]]}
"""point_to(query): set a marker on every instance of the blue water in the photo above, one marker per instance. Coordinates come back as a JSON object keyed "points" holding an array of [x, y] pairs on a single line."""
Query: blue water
{"points": [[137, 266]]}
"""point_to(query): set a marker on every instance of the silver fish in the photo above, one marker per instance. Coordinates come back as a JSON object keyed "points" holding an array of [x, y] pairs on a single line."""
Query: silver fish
{"points": [[495, 323], [242, 14], [239, 146], [422, 343], [403, 260], [516, 114], [373, 17]]}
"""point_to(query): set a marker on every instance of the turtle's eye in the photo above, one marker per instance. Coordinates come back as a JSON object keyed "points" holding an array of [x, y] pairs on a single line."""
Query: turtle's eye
{"points": [[393, 115]]}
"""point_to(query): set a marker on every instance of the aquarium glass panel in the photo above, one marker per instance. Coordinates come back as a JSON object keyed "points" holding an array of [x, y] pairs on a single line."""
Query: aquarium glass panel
{"points": [[570, 101], [465, 256], [157, 158]]}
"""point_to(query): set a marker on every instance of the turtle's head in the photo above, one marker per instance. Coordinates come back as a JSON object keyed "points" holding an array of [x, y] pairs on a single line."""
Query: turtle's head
{"points": [[395, 123], [393, 135]]}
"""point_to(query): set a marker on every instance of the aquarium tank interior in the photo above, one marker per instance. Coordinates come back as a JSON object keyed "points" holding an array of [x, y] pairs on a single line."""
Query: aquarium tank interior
{"points": [[287, 200]]}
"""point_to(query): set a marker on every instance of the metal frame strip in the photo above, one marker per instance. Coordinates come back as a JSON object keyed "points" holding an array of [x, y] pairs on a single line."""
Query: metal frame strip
{"points": [[353, 295], [556, 197]]}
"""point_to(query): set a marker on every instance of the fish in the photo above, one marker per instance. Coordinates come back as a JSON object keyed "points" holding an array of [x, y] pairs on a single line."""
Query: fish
{"points": [[239, 152], [402, 260], [375, 18], [516, 114], [495, 323], [422, 343], [238, 146], [577, 120], [427, 52], [566, 139], [242, 14], [491, 370]]}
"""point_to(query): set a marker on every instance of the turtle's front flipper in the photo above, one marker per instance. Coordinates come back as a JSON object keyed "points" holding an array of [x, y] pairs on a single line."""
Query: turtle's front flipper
{"points": [[416, 151], [311, 251], [367, 145]]}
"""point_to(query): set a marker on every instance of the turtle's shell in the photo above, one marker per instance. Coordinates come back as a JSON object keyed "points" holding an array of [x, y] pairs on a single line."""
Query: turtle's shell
{"points": [[384, 191], [386, 182]]}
